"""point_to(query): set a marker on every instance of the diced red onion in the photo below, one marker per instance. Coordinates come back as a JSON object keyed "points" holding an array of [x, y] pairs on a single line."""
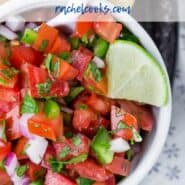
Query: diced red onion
{"points": [[67, 110], [24, 126], [7, 33], [31, 25], [11, 163], [25, 181], [20, 180], [37, 148], [99, 62], [119, 145], [15, 23]]}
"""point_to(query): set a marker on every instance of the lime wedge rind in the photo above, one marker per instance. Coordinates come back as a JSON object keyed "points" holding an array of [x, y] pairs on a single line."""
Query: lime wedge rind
{"points": [[134, 74]]}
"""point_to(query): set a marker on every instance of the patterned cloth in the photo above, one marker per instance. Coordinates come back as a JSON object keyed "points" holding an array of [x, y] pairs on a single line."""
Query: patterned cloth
{"points": [[170, 168]]}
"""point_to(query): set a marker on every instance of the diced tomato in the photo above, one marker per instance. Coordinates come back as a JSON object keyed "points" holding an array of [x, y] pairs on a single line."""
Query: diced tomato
{"points": [[36, 76], [89, 169], [118, 115], [143, 114], [84, 24], [98, 87], [87, 120], [66, 71], [49, 154], [9, 95], [20, 148], [60, 45], [106, 27], [22, 54], [4, 107], [3, 51], [99, 104], [81, 99], [82, 119], [94, 126], [35, 171], [5, 149], [60, 88], [130, 120], [57, 179], [119, 166], [81, 58], [5, 79], [46, 38], [43, 126], [6, 82], [4, 178], [110, 181], [12, 124], [126, 134], [74, 151]]}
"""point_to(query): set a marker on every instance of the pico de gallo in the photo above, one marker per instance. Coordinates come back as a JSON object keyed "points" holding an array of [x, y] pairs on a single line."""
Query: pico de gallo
{"points": [[56, 124]]}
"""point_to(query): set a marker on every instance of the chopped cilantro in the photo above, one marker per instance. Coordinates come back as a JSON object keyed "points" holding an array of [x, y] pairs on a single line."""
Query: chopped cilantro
{"points": [[65, 56], [9, 73], [75, 42], [84, 181], [48, 61], [6, 62], [66, 150], [96, 72], [29, 105], [44, 45], [82, 106], [69, 134], [76, 140], [55, 68], [122, 125], [77, 159], [20, 170], [39, 182], [74, 92], [88, 70], [44, 88], [56, 166]]}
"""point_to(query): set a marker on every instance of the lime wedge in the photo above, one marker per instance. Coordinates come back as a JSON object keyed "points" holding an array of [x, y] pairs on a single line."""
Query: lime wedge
{"points": [[133, 74]]}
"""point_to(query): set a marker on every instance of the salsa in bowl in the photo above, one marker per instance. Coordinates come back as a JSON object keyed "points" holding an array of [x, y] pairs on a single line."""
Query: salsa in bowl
{"points": [[68, 113]]}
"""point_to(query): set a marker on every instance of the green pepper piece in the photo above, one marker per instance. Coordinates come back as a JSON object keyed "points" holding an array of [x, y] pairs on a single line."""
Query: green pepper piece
{"points": [[74, 92], [51, 109], [100, 48], [75, 42], [29, 36], [101, 146]]}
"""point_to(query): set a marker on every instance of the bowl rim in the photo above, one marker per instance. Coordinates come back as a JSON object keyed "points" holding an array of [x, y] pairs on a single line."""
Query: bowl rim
{"points": [[144, 166]]}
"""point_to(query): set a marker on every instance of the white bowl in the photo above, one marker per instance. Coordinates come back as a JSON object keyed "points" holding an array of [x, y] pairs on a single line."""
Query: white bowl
{"points": [[156, 139]]}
